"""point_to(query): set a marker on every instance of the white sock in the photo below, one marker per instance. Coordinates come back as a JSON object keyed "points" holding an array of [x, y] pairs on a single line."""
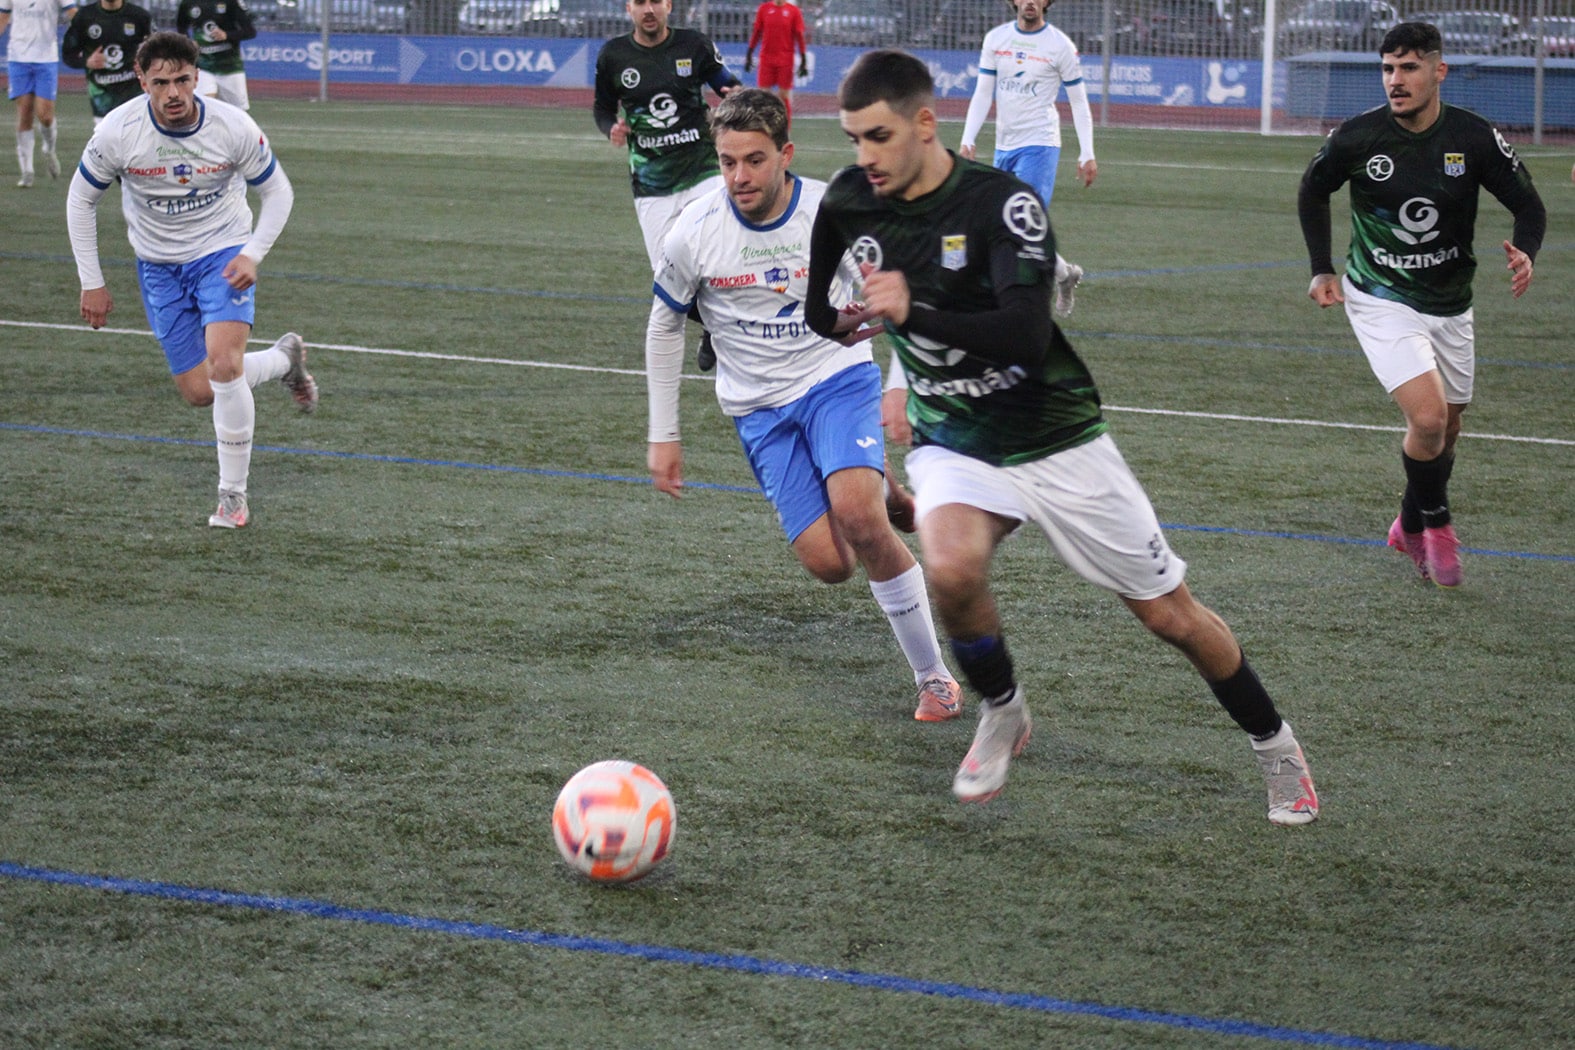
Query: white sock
{"points": [[906, 603], [47, 132], [234, 418], [263, 365], [24, 151], [1282, 738]]}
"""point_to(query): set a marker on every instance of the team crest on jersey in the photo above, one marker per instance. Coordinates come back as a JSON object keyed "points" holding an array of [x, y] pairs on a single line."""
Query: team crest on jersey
{"points": [[776, 278], [867, 250], [954, 251], [685, 67], [1380, 167], [1025, 216], [1454, 164], [182, 173], [630, 78]]}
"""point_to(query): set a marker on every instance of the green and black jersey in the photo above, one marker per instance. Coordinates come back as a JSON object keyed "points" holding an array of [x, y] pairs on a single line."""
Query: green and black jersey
{"points": [[118, 34], [989, 374], [1414, 204], [662, 92], [198, 18]]}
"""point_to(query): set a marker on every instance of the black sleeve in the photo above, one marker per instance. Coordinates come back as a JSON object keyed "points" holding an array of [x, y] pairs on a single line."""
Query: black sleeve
{"points": [[1325, 173], [1312, 207], [1016, 332], [605, 108], [1509, 181], [825, 255], [245, 28], [72, 51]]}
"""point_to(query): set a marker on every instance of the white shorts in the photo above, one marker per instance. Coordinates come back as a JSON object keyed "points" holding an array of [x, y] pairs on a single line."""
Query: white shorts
{"points": [[1097, 517], [657, 214], [229, 87], [1401, 343]]}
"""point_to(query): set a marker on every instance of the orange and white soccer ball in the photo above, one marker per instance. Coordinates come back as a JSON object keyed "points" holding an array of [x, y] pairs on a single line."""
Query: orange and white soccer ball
{"points": [[614, 821]]}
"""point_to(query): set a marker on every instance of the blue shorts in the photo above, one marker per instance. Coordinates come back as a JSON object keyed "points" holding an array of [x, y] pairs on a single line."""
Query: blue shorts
{"points": [[33, 78], [795, 448], [1035, 165], [182, 299]]}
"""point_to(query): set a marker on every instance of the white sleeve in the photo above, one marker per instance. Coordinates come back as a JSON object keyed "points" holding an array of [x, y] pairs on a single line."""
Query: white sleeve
{"points": [[82, 225], [1082, 120], [664, 364], [278, 198], [896, 375], [978, 106]]}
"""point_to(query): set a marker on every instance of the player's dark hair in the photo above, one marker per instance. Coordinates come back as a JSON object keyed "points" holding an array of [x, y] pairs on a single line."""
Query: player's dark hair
{"points": [[751, 109], [1421, 38], [166, 46], [893, 77]]}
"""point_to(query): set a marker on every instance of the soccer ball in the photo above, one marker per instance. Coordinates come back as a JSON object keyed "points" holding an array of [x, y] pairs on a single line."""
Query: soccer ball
{"points": [[614, 821]]}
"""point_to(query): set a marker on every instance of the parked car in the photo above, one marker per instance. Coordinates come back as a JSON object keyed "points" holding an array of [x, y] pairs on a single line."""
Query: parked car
{"points": [[724, 21], [499, 17], [592, 19], [1557, 33], [858, 23], [344, 16], [1480, 33], [1336, 25], [1179, 27]]}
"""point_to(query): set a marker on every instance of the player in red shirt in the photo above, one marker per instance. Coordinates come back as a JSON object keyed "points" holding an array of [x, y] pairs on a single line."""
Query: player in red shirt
{"points": [[779, 30]]}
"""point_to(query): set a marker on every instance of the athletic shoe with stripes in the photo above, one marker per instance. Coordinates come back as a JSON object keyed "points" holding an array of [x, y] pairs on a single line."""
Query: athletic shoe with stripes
{"points": [[1292, 797], [232, 512], [940, 700]]}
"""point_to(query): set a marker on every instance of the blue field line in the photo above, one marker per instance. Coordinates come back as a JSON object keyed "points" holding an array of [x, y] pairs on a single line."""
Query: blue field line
{"points": [[707, 960], [503, 468]]}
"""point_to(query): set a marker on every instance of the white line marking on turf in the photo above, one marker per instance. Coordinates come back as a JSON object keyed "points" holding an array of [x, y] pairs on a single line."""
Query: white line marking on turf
{"points": [[511, 362]]}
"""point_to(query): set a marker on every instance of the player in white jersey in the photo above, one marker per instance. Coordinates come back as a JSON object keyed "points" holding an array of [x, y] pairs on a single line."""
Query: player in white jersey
{"points": [[1023, 65], [807, 409], [184, 165], [33, 75]]}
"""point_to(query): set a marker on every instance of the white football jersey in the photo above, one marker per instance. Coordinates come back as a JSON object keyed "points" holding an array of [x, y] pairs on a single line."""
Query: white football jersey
{"points": [[183, 192], [1030, 69], [750, 282], [34, 34]]}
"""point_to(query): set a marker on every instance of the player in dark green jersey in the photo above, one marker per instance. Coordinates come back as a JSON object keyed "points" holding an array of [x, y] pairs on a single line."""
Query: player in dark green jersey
{"points": [[1415, 167], [959, 263], [219, 27], [103, 39], [658, 76]]}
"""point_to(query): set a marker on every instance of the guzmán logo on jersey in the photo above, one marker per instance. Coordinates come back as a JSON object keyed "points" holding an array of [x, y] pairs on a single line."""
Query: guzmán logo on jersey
{"points": [[1418, 217], [663, 111], [866, 250], [1379, 168], [1025, 216], [630, 78]]}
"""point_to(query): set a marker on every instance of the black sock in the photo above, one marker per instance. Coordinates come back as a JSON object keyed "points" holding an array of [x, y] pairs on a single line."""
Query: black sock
{"points": [[1246, 701], [987, 666], [1427, 486], [1410, 517]]}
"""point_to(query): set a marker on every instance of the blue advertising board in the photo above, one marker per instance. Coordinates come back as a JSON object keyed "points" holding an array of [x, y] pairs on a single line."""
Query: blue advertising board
{"points": [[538, 62]]}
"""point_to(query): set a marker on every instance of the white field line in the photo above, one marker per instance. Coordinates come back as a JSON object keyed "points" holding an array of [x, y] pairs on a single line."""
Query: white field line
{"points": [[510, 362]]}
